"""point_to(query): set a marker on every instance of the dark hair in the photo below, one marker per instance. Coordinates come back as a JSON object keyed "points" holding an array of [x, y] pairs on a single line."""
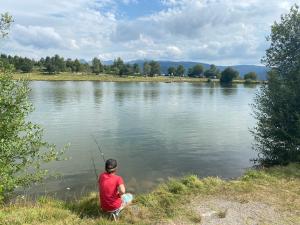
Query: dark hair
{"points": [[110, 165]]}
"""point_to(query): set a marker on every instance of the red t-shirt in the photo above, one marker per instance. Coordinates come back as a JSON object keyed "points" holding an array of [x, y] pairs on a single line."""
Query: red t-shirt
{"points": [[108, 188]]}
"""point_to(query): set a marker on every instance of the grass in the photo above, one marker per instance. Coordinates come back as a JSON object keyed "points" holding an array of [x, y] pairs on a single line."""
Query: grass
{"points": [[67, 76], [277, 186]]}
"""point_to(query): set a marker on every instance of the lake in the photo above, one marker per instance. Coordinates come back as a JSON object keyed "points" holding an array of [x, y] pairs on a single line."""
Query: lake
{"points": [[154, 130]]}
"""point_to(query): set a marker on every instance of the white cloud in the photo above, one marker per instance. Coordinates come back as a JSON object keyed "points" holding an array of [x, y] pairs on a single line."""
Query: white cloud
{"points": [[40, 37], [127, 2], [174, 51], [213, 31]]}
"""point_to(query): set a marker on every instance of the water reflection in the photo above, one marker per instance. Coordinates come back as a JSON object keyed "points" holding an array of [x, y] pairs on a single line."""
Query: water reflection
{"points": [[123, 91], [98, 92], [58, 94], [229, 89], [197, 89], [250, 85]]}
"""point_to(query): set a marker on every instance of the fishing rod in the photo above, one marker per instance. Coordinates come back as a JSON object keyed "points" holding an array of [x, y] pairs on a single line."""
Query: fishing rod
{"points": [[92, 158], [94, 166], [102, 154]]}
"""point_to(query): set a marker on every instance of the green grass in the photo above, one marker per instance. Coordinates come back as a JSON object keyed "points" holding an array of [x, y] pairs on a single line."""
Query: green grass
{"points": [[110, 78], [277, 186]]}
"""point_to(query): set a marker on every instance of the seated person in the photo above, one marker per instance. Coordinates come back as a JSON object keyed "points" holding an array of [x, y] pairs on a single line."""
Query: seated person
{"points": [[113, 197]]}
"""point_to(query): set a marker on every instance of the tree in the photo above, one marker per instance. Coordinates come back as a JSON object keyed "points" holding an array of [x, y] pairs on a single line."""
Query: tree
{"points": [[5, 22], [146, 69], [212, 72], [70, 65], [154, 68], [96, 66], [26, 65], [171, 71], [125, 69], [228, 75], [77, 66], [59, 64], [136, 69], [180, 71], [277, 105], [22, 149], [49, 66], [283, 53], [118, 67], [250, 76], [196, 71]]}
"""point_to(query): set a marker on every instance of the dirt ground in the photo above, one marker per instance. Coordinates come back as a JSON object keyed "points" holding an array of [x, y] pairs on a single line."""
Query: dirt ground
{"points": [[222, 211]]}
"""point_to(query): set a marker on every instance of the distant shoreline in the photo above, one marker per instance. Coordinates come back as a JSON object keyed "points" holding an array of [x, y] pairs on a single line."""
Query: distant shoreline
{"points": [[112, 78]]}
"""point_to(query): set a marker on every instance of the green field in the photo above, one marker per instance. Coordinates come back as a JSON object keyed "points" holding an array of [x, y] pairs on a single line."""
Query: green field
{"points": [[110, 78], [264, 192]]}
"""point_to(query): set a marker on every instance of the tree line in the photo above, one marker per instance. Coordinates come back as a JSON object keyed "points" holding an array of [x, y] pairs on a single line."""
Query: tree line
{"points": [[57, 64]]}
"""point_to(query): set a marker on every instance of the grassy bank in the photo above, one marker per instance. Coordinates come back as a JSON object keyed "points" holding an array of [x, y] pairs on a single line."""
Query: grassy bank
{"points": [[110, 78], [176, 200]]}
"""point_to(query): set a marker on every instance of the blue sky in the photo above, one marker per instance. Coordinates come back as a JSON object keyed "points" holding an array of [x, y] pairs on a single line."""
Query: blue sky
{"points": [[224, 32], [135, 9]]}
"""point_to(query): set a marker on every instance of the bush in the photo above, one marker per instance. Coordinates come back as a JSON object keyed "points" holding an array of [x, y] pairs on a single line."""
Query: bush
{"points": [[20, 140]]}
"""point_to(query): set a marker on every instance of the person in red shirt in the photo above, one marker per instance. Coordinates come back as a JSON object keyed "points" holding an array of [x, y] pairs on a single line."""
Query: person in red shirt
{"points": [[113, 196]]}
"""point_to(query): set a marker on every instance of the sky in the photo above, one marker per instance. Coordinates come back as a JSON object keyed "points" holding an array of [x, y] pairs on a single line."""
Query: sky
{"points": [[223, 32]]}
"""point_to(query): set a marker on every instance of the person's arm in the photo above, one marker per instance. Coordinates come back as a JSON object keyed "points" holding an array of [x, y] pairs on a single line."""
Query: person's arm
{"points": [[121, 189]]}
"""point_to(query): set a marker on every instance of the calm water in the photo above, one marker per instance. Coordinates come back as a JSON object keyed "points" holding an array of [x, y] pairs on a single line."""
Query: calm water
{"points": [[154, 130]]}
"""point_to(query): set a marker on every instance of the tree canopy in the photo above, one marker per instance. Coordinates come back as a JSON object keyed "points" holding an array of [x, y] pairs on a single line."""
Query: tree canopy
{"points": [[196, 71], [5, 22], [250, 76], [180, 70], [171, 71], [228, 75], [22, 149], [213, 71], [277, 104]]}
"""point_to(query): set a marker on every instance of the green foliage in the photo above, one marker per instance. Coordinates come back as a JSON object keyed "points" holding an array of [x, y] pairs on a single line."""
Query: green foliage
{"points": [[250, 76], [5, 21], [55, 64], [228, 75], [180, 70], [22, 150], [154, 69], [212, 72], [136, 69], [196, 71], [151, 68], [171, 71], [96, 66], [277, 105], [146, 69], [283, 53]]}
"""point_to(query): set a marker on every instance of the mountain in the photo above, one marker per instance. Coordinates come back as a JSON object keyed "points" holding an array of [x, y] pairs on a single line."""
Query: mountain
{"points": [[242, 69]]}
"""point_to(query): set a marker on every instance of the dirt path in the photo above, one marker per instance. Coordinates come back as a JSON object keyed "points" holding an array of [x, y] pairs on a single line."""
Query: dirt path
{"points": [[222, 211]]}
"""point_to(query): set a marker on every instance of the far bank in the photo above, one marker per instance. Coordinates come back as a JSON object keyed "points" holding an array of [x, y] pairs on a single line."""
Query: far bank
{"points": [[115, 78]]}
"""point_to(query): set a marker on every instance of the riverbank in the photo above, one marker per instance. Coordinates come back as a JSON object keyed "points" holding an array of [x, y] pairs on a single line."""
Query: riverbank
{"points": [[112, 78], [269, 196]]}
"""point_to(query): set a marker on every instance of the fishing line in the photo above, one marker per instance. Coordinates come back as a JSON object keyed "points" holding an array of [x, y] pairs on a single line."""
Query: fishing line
{"points": [[94, 166], [102, 154]]}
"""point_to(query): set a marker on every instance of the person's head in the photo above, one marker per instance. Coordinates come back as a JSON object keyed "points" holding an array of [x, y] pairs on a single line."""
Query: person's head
{"points": [[111, 165]]}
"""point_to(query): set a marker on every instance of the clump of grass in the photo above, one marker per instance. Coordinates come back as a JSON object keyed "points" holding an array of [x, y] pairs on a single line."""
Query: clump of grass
{"points": [[222, 214], [86, 207]]}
